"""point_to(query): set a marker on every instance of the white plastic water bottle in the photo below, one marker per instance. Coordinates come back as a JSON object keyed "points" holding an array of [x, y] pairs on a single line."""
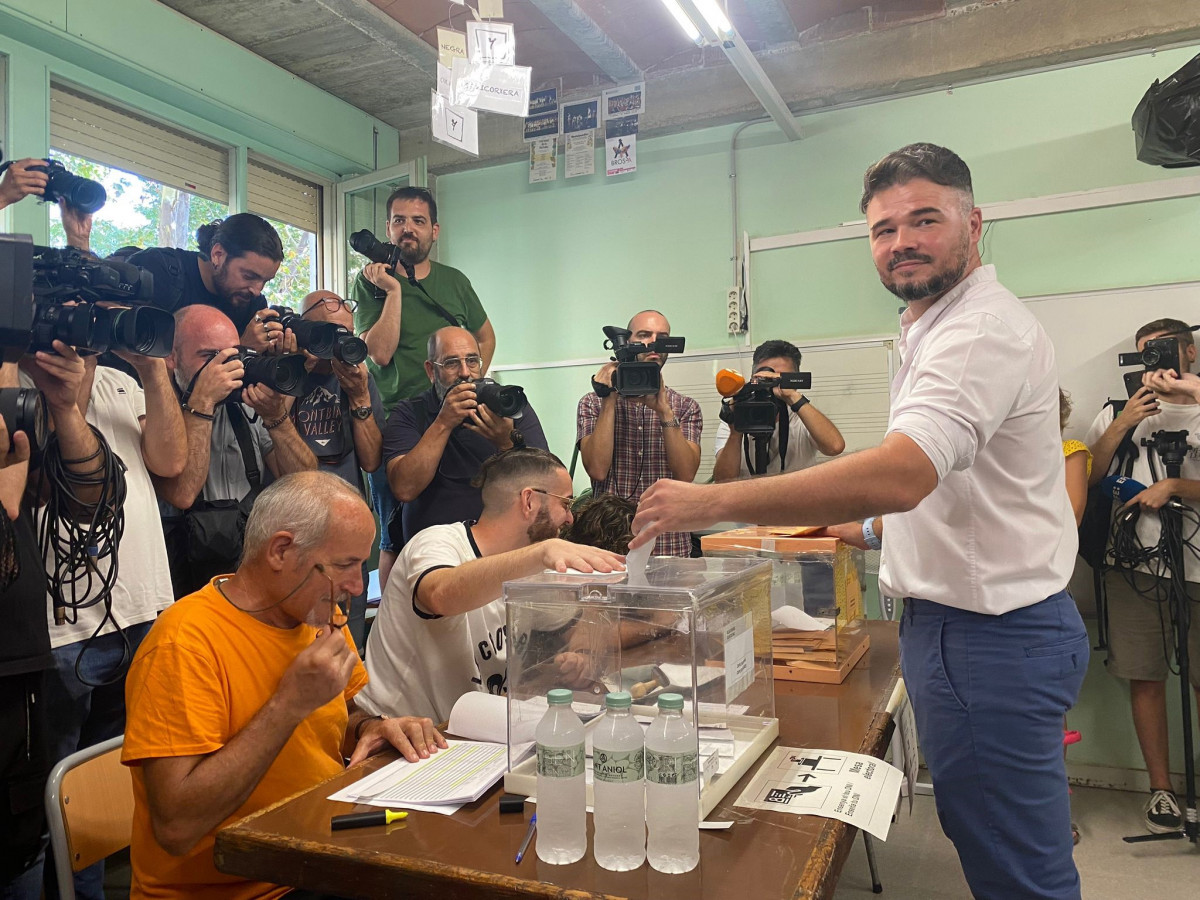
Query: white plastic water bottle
{"points": [[672, 789], [618, 786], [561, 794]]}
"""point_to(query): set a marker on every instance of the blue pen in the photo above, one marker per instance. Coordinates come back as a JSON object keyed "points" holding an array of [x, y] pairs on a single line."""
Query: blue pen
{"points": [[528, 837]]}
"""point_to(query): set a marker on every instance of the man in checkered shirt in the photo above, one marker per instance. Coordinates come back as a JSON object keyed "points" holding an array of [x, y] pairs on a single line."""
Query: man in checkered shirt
{"points": [[628, 443]]}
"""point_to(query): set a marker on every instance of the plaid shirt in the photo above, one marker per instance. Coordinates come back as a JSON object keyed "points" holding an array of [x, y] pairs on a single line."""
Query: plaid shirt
{"points": [[640, 454]]}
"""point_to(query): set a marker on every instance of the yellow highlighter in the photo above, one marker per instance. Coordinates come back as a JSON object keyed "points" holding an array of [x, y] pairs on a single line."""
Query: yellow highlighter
{"points": [[367, 819]]}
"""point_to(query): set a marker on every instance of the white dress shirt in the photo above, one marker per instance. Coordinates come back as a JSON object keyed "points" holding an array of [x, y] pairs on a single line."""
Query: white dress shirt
{"points": [[977, 391]]}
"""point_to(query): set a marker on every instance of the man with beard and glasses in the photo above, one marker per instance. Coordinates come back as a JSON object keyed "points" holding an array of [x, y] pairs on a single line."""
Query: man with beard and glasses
{"points": [[434, 444], [245, 692], [981, 538], [441, 630], [396, 318], [238, 255]]}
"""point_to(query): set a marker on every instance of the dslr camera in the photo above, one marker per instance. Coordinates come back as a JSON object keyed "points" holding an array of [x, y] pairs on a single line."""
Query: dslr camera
{"points": [[49, 294], [505, 400], [755, 409], [63, 186], [633, 378], [1160, 353], [325, 340], [283, 374], [375, 250]]}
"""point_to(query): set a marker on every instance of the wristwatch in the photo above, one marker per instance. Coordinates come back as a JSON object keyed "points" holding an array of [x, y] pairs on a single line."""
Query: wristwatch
{"points": [[800, 404], [361, 412]]}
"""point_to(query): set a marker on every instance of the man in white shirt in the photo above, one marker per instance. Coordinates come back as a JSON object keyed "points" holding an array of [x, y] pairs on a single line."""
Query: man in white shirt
{"points": [[441, 629], [808, 432], [970, 475], [1137, 622]]}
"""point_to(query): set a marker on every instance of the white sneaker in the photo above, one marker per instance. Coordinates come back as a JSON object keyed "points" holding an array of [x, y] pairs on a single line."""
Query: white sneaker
{"points": [[1162, 813]]}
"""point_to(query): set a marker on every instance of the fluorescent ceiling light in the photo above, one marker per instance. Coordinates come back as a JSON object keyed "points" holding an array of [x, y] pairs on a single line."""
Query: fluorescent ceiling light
{"points": [[685, 23], [715, 17]]}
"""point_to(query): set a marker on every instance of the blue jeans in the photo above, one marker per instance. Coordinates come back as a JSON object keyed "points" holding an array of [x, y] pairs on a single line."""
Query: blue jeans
{"points": [[989, 694], [384, 503], [83, 715]]}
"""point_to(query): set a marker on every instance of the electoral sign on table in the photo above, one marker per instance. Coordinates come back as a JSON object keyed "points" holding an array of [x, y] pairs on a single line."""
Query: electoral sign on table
{"points": [[859, 790]]}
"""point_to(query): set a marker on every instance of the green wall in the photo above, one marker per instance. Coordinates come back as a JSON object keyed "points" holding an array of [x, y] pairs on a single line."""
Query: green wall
{"points": [[554, 262]]}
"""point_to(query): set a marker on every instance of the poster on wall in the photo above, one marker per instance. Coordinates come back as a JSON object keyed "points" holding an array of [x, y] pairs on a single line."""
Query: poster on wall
{"points": [[491, 88], [620, 145], [543, 160], [625, 101], [582, 116], [541, 102], [453, 126], [580, 154], [545, 125], [491, 42]]}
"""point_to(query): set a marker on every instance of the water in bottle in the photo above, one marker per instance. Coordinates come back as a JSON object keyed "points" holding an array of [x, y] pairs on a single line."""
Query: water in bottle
{"points": [[618, 786], [561, 794], [672, 789]]}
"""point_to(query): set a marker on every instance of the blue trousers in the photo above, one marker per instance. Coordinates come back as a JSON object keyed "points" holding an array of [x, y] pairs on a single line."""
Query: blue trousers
{"points": [[989, 694]]}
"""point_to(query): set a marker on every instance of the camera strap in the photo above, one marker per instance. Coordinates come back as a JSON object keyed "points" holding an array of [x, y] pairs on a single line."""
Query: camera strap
{"points": [[783, 429], [241, 431], [451, 319]]}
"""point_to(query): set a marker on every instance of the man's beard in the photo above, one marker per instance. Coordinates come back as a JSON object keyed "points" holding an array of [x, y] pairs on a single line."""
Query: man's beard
{"points": [[441, 389], [936, 284], [542, 528], [221, 283], [415, 253]]}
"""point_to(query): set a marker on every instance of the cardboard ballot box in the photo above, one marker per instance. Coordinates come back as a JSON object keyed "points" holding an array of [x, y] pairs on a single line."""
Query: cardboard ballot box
{"points": [[697, 627], [816, 598]]}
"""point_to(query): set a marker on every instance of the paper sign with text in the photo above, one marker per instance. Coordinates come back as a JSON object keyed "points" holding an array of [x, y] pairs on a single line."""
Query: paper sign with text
{"points": [[498, 89]]}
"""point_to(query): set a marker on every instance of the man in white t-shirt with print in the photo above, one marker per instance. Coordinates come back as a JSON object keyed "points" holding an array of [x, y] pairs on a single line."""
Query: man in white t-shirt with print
{"points": [[1139, 628], [440, 632]]}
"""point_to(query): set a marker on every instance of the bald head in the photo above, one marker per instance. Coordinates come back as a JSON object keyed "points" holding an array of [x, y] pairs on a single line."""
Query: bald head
{"points": [[326, 306], [200, 332], [451, 335], [650, 319]]}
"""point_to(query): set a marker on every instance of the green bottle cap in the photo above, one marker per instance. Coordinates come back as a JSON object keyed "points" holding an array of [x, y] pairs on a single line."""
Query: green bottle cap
{"points": [[560, 697], [618, 700], [670, 701]]}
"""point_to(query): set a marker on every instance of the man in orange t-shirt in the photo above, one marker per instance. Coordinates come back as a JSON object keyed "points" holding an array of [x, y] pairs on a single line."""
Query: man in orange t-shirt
{"points": [[243, 693]]}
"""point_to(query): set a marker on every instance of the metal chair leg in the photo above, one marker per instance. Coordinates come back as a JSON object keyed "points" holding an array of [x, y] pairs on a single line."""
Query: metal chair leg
{"points": [[876, 887]]}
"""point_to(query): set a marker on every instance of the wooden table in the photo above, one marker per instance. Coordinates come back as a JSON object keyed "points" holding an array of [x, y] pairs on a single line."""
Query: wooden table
{"points": [[765, 855]]}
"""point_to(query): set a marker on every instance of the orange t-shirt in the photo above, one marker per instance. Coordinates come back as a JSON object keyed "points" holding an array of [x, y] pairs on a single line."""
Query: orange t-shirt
{"points": [[202, 673]]}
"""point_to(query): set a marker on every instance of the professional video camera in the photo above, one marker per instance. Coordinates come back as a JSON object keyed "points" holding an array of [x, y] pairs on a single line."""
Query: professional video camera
{"points": [[505, 400], [1160, 353], [63, 186], [751, 407], [633, 378], [326, 340], [49, 294], [23, 410], [284, 374]]}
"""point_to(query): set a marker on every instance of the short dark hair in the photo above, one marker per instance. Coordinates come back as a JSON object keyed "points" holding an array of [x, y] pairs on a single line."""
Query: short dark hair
{"points": [[774, 350], [926, 161], [240, 234], [1172, 327], [510, 469], [413, 193], [604, 521]]}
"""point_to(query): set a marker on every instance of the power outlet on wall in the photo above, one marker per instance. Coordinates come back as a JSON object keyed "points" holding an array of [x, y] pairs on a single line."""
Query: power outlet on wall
{"points": [[733, 311]]}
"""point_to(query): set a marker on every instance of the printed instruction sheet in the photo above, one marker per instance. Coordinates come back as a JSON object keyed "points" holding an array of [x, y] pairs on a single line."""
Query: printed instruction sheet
{"points": [[857, 789]]}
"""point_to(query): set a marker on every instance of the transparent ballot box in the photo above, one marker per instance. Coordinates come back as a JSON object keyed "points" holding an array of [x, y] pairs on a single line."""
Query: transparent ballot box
{"points": [[697, 627], [816, 598]]}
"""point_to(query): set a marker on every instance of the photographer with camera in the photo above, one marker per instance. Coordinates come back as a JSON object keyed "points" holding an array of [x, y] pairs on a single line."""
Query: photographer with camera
{"points": [[435, 443], [629, 442], [238, 255], [235, 424], [1136, 621], [400, 303], [802, 432]]}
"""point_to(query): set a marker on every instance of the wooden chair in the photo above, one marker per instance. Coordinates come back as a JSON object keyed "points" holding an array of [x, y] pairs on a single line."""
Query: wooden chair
{"points": [[89, 810]]}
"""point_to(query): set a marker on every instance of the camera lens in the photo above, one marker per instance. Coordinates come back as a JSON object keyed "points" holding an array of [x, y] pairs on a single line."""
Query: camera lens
{"points": [[506, 400], [144, 330], [285, 374], [350, 349], [23, 410]]}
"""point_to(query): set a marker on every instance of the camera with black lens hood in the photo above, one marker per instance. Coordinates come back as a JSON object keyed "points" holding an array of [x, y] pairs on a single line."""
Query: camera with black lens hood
{"points": [[283, 374], [633, 378], [64, 186], [505, 400], [23, 409], [375, 250], [325, 340]]}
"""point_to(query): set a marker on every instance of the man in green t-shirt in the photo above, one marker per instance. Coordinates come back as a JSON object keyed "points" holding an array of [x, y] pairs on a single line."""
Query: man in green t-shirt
{"points": [[396, 318]]}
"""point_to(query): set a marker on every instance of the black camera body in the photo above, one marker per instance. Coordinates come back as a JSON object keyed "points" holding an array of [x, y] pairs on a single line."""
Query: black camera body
{"points": [[1160, 353], [64, 186], [375, 250], [755, 408], [326, 340], [283, 374], [505, 400], [633, 378], [23, 409]]}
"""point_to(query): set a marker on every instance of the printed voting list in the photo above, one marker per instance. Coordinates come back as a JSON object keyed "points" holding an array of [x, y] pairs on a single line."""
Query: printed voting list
{"points": [[857, 789]]}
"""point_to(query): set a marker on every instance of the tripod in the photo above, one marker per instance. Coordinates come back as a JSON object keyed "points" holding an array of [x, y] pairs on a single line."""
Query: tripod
{"points": [[1172, 446]]}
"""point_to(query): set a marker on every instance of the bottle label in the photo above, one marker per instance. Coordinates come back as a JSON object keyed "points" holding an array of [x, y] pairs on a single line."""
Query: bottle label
{"points": [[672, 768], [618, 766], [560, 762]]}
